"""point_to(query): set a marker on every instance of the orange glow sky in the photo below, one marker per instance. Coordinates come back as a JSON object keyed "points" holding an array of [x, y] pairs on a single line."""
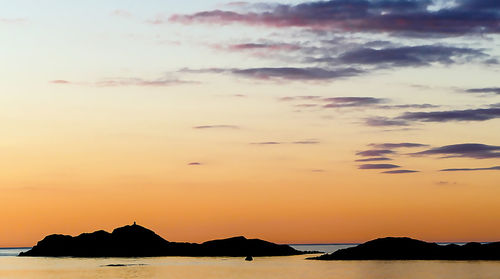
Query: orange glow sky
{"points": [[203, 127]]}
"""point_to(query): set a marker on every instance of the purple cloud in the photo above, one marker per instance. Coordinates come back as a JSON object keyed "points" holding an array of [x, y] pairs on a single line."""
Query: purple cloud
{"points": [[400, 171], [374, 159], [195, 164], [375, 152], [422, 55], [466, 150], [397, 145], [452, 115], [378, 166], [407, 118], [485, 90], [473, 169], [410, 18], [283, 73]]}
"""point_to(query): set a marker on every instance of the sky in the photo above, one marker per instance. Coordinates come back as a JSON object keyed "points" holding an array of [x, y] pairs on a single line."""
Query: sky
{"points": [[295, 121]]}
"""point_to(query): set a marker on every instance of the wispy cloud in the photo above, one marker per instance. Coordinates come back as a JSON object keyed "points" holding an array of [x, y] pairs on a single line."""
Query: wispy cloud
{"points": [[485, 90], [400, 171], [374, 159], [300, 142], [283, 73], [422, 55], [473, 169], [267, 143], [195, 164], [482, 114], [375, 152], [116, 82], [453, 115], [378, 166], [310, 141], [340, 102], [408, 18], [397, 145], [204, 127], [465, 150]]}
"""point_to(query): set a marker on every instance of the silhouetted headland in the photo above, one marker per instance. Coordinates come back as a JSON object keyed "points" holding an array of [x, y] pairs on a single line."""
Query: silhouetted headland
{"points": [[404, 248], [137, 241]]}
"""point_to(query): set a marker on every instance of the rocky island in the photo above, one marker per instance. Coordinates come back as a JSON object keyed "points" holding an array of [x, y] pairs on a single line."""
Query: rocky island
{"points": [[403, 248], [137, 241]]}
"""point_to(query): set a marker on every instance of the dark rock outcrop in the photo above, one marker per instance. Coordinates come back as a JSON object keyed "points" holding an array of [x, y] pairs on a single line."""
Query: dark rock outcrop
{"points": [[403, 248], [137, 241]]}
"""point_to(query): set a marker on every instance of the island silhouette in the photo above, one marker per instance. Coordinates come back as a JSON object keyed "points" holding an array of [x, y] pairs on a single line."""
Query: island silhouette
{"points": [[404, 248], [137, 241]]}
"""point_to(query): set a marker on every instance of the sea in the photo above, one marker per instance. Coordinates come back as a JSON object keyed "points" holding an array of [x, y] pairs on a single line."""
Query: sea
{"points": [[291, 267]]}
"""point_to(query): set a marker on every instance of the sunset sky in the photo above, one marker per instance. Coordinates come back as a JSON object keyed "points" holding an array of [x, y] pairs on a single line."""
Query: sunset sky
{"points": [[293, 121]]}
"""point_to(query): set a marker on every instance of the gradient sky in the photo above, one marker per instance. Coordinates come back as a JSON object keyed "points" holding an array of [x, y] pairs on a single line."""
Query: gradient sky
{"points": [[295, 122]]}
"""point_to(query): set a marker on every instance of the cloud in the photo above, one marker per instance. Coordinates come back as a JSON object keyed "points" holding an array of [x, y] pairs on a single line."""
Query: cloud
{"points": [[259, 47], [216, 127], [377, 121], [374, 159], [195, 164], [339, 102], [465, 150], [60, 81], [409, 106], [318, 170], [488, 90], [311, 141], [116, 82], [301, 142], [397, 145], [142, 82], [406, 56], [473, 169], [378, 166], [400, 171], [283, 73], [407, 18], [290, 73], [453, 115], [405, 119], [374, 152], [267, 143]]}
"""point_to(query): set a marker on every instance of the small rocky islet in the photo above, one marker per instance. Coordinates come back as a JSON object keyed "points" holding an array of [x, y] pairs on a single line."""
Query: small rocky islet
{"points": [[404, 248], [137, 241]]}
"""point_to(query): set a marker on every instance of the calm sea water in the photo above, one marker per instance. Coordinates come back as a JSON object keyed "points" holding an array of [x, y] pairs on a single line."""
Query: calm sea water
{"points": [[294, 267]]}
